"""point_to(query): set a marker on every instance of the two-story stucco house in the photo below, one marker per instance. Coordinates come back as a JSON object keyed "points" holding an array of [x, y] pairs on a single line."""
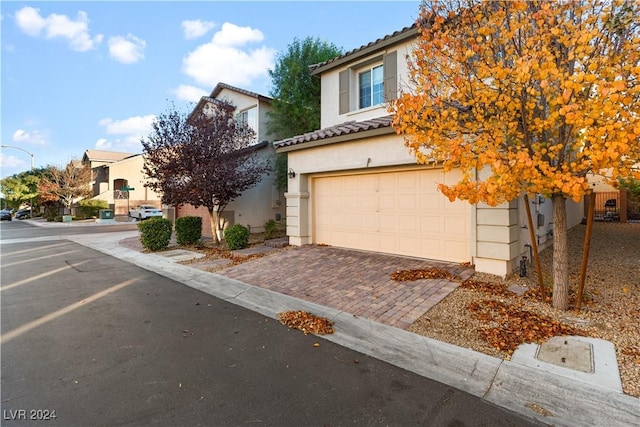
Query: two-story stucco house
{"points": [[114, 171], [354, 184], [263, 201]]}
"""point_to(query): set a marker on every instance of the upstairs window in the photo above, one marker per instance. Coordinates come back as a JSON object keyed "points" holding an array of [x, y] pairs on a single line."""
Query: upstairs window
{"points": [[247, 117], [371, 87], [368, 84]]}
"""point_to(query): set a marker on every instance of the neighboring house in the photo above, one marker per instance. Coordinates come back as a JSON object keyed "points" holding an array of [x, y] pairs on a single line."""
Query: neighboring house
{"points": [[354, 184], [263, 201], [114, 171]]}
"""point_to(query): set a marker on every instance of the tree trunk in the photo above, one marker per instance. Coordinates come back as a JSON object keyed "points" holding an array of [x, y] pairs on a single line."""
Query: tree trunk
{"points": [[534, 247], [585, 250], [213, 219], [560, 253]]}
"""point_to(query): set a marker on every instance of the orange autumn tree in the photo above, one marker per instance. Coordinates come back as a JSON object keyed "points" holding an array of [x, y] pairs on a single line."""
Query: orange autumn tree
{"points": [[526, 97]]}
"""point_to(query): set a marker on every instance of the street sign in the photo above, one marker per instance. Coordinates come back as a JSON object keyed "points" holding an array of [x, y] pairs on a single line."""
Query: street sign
{"points": [[127, 188]]}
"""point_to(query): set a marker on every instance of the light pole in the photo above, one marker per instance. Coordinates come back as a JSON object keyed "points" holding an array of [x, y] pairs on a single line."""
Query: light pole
{"points": [[31, 154]]}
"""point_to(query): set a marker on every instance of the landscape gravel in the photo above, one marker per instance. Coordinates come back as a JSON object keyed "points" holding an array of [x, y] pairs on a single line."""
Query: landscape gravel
{"points": [[610, 309]]}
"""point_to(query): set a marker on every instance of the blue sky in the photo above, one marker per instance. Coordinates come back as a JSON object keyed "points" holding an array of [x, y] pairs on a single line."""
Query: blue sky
{"points": [[92, 75]]}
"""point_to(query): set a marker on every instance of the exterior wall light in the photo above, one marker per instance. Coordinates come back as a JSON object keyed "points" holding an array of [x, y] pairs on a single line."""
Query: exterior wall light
{"points": [[291, 174]]}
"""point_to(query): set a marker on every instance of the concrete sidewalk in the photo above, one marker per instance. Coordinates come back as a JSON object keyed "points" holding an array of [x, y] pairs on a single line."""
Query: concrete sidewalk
{"points": [[535, 393]]}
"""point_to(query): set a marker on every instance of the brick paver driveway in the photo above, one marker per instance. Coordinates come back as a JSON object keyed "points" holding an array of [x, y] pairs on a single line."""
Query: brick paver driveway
{"points": [[352, 281]]}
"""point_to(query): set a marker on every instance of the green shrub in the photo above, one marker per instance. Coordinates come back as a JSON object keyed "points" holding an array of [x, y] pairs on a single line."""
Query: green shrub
{"points": [[90, 208], [236, 236], [270, 227], [188, 230], [155, 233]]}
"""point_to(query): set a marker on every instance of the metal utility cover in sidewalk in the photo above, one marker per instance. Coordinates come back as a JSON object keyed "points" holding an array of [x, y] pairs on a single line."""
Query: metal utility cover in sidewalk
{"points": [[591, 360], [568, 353]]}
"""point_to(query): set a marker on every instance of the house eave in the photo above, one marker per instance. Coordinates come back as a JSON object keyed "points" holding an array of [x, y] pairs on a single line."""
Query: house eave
{"points": [[357, 54], [337, 139]]}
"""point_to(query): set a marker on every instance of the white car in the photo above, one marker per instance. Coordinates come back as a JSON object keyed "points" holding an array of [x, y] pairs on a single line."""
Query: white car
{"points": [[144, 211]]}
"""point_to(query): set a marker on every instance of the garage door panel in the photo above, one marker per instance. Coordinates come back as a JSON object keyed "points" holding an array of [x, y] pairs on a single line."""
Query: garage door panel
{"points": [[368, 202], [369, 222], [393, 212], [388, 223], [387, 182], [387, 202], [407, 224], [407, 201], [408, 245], [431, 224], [408, 180], [456, 226]]}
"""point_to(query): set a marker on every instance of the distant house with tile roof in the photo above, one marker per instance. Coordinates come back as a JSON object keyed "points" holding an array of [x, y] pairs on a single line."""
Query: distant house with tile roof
{"points": [[114, 171]]}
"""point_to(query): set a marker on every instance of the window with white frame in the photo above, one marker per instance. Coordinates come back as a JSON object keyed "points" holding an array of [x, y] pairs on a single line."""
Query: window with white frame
{"points": [[368, 84], [371, 87], [248, 117]]}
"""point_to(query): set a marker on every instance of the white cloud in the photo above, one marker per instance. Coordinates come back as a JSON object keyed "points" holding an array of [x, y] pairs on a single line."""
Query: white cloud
{"points": [[75, 31], [103, 143], [189, 93], [127, 49], [196, 28], [30, 21], [130, 131], [223, 59], [11, 161], [30, 137], [233, 35]]}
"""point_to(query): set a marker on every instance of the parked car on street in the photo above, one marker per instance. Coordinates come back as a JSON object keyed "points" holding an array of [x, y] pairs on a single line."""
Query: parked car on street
{"points": [[23, 214], [5, 215], [144, 211]]}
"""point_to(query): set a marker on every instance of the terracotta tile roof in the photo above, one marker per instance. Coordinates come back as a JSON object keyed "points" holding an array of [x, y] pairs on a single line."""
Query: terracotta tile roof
{"points": [[343, 129], [397, 36]]}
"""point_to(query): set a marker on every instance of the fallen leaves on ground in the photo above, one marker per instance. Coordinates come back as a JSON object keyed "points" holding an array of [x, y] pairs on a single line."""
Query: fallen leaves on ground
{"points": [[509, 325], [490, 287], [428, 273], [306, 322], [217, 253]]}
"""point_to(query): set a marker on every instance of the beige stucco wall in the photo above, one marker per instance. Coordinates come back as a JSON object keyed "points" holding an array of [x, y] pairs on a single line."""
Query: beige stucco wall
{"points": [[261, 202], [244, 102], [129, 169], [330, 88]]}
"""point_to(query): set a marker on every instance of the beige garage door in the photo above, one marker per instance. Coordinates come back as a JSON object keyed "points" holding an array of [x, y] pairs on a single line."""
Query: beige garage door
{"points": [[393, 212]]}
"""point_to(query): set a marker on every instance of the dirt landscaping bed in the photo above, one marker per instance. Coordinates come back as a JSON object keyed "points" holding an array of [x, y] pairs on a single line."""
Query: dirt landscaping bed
{"points": [[485, 316]]}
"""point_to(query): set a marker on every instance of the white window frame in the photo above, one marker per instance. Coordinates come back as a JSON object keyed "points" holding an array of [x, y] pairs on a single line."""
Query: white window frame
{"points": [[376, 87]]}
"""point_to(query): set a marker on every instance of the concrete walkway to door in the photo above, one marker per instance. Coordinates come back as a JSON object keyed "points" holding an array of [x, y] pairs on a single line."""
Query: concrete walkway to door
{"points": [[354, 282]]}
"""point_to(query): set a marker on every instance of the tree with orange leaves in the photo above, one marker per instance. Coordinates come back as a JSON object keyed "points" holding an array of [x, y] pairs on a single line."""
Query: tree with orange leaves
{"points": [[526, 97]]}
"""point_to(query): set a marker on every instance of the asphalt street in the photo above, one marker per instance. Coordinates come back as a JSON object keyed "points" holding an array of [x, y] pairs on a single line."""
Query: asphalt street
{"points": [[95, 341]]}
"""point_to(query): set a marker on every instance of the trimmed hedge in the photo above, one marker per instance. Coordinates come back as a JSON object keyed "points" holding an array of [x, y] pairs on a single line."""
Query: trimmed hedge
{"points": [[155, 233], [188, 230], [236, 237], [91, 208]]}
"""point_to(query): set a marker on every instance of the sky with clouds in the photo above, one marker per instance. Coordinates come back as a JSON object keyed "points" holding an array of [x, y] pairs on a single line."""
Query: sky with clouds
{"points": [[93, 75]]}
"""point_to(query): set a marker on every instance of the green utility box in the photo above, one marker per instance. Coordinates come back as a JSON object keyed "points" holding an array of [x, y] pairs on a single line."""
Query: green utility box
{"points": [[67, 218], [105, 214]]}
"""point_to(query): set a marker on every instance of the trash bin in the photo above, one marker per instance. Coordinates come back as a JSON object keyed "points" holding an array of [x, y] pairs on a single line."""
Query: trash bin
{"points": [[105, 214]]}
